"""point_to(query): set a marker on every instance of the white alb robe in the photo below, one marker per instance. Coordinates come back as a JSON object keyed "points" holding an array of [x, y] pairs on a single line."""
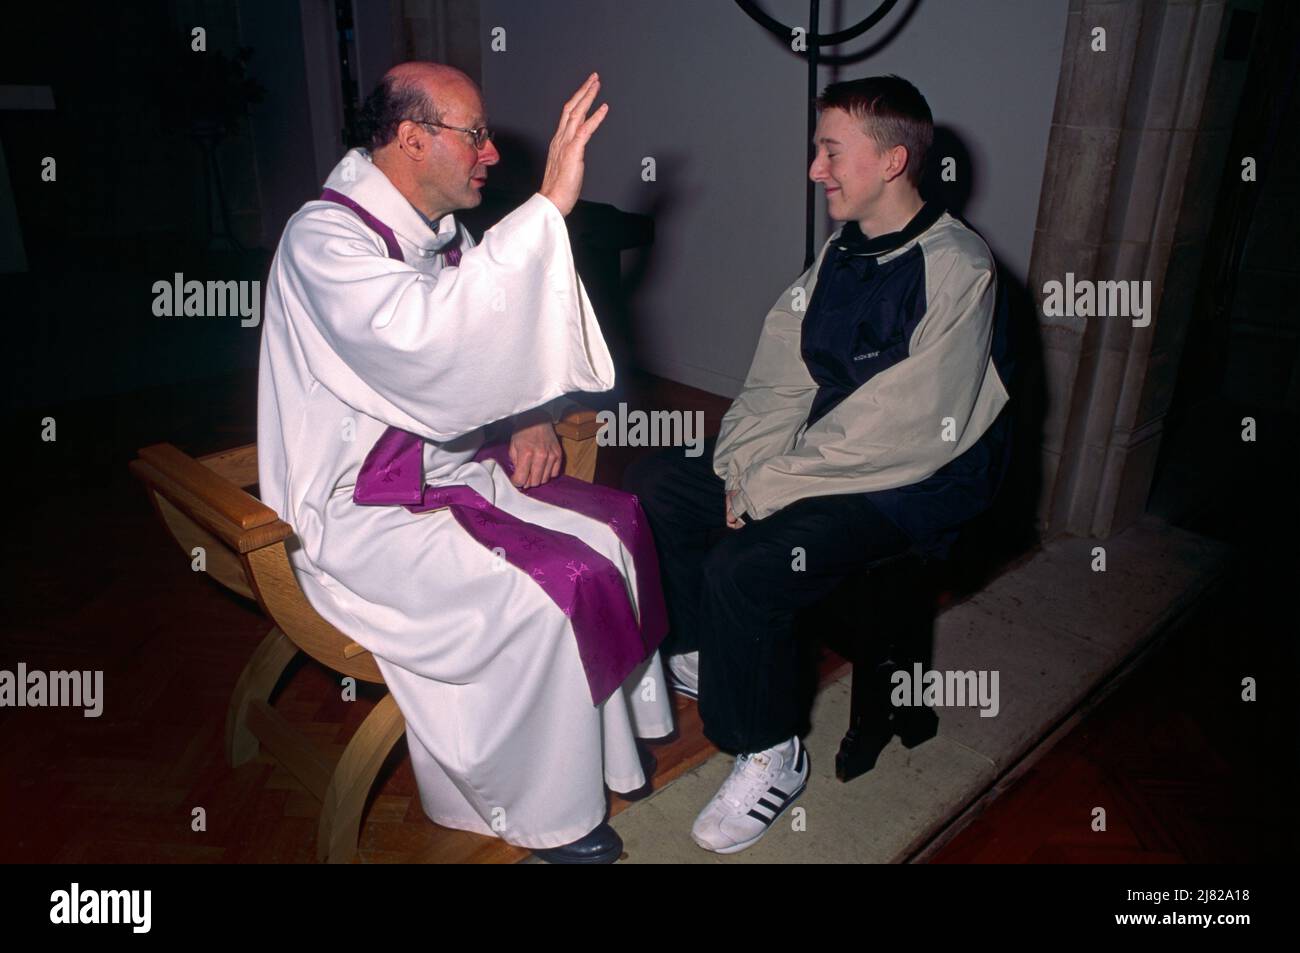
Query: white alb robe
{"points": [[502, 732]]}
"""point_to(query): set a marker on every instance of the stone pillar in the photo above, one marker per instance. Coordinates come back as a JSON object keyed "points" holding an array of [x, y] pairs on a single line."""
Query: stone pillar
{"points": [[1137, 147]]}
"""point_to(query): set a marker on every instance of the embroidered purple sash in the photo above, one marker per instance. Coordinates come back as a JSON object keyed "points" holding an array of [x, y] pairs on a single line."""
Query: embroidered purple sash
{"points": [[586, 586], [621, 512]]}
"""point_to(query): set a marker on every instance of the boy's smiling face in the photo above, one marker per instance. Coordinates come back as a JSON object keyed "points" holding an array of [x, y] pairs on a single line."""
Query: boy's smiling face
{"points": [[850, 165]]}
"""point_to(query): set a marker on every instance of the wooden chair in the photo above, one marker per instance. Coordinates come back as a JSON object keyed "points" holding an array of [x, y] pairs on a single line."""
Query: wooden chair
{"points": [[205, 503]]}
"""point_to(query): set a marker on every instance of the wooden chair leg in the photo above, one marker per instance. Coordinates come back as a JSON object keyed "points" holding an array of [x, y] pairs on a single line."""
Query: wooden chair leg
{"points": [[256, 683], [340, 819]]}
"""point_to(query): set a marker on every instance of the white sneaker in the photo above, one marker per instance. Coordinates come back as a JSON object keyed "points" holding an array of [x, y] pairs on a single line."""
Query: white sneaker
{"points": [[759, 790], [684, 674]]}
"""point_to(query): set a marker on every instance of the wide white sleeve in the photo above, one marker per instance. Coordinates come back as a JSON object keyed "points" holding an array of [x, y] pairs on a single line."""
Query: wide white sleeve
{"points": [[907, 421], [507, 330]]}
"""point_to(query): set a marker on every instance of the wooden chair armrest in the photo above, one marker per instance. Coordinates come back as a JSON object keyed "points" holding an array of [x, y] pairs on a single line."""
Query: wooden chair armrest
{"points": [[577, 423], [238, 464], [210, 489], [240, 520]]}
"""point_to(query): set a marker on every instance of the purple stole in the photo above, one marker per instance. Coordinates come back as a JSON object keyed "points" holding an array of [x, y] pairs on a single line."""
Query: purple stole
{"points": [[586, 586]]}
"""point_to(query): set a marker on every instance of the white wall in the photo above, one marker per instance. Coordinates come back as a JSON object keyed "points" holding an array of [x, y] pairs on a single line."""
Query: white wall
{"points": [[720, 105]]}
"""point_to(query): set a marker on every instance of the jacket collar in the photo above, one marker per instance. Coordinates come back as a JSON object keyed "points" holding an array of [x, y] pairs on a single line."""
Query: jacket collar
{"points": [[356, 177], [850, 240]]}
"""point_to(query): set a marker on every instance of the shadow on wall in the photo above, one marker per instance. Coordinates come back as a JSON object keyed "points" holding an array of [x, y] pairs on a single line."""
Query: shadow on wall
{"points": [[640, 264], [1010, 526], [520, 171]]}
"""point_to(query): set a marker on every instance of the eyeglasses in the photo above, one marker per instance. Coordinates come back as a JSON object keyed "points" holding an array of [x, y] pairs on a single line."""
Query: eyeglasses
{"points": [[480, 135]]}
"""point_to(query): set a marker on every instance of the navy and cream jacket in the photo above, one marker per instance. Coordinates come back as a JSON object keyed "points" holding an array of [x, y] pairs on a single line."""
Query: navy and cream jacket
{"points": [[881, 370]]}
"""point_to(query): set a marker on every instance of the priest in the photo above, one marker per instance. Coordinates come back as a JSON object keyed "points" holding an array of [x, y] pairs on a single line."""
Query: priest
{"points": [[514, 613]]}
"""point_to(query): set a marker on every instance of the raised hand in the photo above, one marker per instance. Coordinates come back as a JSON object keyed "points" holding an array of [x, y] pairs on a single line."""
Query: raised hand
{"points": [[562, 180]]}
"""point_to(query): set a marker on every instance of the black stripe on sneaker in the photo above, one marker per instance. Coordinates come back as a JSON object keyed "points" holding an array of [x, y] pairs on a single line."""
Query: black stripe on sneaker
{"points": [[778, 792], [769, 805], [682, 688], [760, 817]]}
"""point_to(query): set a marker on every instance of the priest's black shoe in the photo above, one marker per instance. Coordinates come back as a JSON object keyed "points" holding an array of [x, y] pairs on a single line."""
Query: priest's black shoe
{"points": [[601, 846]]}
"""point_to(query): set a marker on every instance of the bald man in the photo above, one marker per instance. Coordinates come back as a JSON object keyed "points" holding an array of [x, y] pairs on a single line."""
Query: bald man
{"points": [[513, 612]]}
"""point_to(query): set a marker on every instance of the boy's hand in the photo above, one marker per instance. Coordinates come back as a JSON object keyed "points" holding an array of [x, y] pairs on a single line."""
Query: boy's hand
{"points": [[732, 519]]}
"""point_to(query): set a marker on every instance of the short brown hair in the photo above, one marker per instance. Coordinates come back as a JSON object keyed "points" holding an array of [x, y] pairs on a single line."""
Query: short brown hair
{"points": [[894, 112], [395, 98]]}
